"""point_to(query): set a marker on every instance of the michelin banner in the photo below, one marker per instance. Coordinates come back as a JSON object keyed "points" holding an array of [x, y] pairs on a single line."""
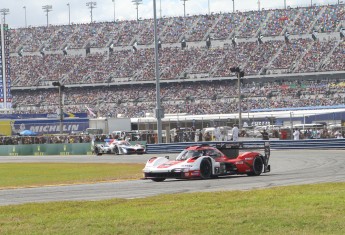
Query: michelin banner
{"points": [[44, 126]]}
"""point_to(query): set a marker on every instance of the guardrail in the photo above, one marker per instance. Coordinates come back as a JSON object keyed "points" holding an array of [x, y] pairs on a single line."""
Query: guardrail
{"points": [[86, 148], [275, 144]]}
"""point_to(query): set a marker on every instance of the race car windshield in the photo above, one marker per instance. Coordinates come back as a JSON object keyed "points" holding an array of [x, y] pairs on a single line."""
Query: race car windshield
{"points": [[188, 154]]}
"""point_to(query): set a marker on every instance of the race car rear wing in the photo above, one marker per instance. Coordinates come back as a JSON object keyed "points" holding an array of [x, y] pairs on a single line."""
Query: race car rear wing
{"points": [[231, 150]]}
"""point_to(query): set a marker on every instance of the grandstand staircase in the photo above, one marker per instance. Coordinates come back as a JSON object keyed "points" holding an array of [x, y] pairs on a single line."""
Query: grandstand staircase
{"points": [[68, 39], [325, 61], [87, 42], [185, 34], [268, 65], [299, 60], [312, 26], [291, 25], [211, 28], [235, 31], [260, 29], [163, 30]]}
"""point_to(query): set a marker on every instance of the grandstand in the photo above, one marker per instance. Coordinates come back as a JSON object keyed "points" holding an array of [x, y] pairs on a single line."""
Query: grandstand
{"points": [[292, 57]]}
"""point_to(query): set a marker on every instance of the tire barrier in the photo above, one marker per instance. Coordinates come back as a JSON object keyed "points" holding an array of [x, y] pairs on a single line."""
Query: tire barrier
{"points": [[275, 144]]}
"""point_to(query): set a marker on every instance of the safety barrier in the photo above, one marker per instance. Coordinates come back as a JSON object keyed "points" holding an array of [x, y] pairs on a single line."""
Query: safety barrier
{"points": [[275, 144], [45, 149], [86, 149]]}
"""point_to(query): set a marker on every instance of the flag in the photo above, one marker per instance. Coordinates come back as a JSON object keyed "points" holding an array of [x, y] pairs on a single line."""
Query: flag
{"points": [[91, 112]]}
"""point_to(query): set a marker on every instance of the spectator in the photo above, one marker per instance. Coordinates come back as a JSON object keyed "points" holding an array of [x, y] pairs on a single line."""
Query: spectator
{"points": [[265, 135], [235, 133], [208, 136], [217, 133], [296, 134]]}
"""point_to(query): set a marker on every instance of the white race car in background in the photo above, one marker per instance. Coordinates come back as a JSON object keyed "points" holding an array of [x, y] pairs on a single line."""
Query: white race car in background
{"points": [[119, 147]]}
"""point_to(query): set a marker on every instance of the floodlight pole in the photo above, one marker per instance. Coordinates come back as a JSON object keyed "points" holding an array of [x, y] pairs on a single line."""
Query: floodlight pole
{"points": [[69, 14], [114, 10], [233, 6], [47, 9], [160, 8], [239, 101], [137, 3], [184, 7], [4, 12], [91, 6], [61, 110], [60, 86], [209, 11], [159, 112], [258, 5], [24, 7]]}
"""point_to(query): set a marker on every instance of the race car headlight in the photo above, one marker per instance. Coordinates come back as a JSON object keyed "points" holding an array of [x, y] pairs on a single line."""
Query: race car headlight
{"points": [[181, 170]]}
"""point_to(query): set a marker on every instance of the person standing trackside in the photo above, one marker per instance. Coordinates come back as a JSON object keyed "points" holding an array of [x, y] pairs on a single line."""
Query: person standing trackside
{"points": [[265, 135], [296, 134], [235, 133], [217, 133]]}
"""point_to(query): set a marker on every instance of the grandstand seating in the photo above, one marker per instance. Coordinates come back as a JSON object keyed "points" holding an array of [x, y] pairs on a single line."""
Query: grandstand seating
{"points": [[112, 71]]}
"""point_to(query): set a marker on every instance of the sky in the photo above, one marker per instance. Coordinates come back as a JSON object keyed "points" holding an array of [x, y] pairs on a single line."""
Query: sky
{"points": [[126, 10]]}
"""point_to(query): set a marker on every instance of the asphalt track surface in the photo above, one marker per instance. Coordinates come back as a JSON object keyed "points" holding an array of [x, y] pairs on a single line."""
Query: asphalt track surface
{"points": [[290, 167]]}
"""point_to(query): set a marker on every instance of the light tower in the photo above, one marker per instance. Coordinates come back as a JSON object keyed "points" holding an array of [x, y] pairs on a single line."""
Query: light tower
{"points": [[114, 9], [24, 7], [184, 7], [4, 12], [47, 9], [69, 13], [91, 6], [137, 3]]}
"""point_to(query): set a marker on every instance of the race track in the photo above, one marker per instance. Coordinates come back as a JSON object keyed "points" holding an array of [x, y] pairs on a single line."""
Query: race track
{"points": [[290, 167]]}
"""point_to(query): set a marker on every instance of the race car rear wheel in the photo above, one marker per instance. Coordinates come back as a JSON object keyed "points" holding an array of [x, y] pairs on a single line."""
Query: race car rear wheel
{"points": [[97, 152], [205, 169], [158, 179], [116, 151], [258, 166]]}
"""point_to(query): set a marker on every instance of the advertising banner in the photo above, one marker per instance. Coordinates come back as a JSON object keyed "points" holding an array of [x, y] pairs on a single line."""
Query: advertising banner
{"points": [[46, 126], [41, 115], [46, 149]]}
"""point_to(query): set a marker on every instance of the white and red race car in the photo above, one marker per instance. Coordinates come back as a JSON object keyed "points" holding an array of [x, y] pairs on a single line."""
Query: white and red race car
{"points": [[205, 161], [116, 147]]}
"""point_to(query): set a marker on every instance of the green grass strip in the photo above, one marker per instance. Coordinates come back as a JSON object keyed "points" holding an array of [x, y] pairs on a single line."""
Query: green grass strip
{"points": [[39, 174], [308, 209]]}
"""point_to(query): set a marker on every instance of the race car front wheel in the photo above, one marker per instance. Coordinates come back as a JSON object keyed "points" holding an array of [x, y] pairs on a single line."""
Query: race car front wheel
{"points": [[258, 166], [97, 152], [116, 151], [205, 169], [158, 179]]}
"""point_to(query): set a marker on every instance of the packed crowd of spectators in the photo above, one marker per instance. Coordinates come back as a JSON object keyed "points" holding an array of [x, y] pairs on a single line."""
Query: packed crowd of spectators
{"points": [[300, 54], [192, 98], [273, 55], [101, 67], [171, 29]]}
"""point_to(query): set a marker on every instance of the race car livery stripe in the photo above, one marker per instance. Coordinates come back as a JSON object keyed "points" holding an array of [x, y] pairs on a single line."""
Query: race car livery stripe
{"points": [[168, 164]]}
